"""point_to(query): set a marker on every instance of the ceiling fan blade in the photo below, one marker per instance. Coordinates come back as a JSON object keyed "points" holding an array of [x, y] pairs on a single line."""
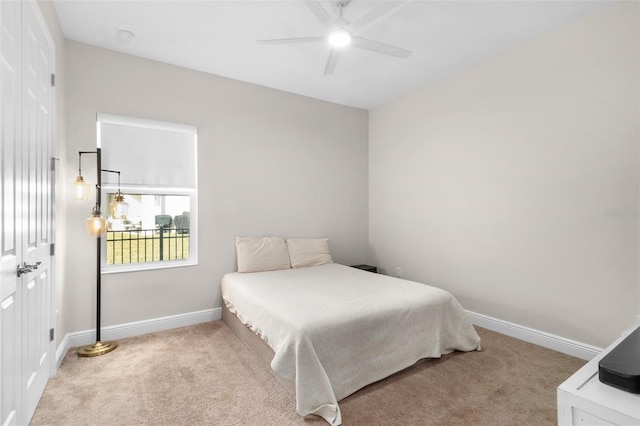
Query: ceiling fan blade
{"points": [[320, 13], [332, 62], [376, 46], [376, 15], [292, 40]]}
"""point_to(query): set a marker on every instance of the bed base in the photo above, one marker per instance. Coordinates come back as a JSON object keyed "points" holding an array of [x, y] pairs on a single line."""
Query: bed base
{"points": [[263, 351]]}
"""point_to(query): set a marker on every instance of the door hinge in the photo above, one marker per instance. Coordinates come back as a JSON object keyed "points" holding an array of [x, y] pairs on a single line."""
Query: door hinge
{"points": [[51, 334], [53, 80], [52, 249]]}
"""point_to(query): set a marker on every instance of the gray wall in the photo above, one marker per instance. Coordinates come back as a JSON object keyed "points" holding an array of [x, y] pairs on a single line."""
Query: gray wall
{"points": [[269, 163], [495, 183]]}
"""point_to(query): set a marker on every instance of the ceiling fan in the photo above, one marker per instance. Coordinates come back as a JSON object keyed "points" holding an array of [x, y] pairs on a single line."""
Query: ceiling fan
{"points": [[342, 33]]}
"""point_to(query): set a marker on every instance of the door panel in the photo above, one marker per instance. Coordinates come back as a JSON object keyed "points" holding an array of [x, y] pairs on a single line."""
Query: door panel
{"points": [[10, 203]]}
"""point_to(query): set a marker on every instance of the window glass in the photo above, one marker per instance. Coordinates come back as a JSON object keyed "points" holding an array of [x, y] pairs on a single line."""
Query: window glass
{"points": [[155, 228]]}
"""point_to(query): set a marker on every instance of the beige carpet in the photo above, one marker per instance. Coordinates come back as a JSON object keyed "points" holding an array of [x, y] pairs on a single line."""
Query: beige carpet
{"points": [[203, 375]]}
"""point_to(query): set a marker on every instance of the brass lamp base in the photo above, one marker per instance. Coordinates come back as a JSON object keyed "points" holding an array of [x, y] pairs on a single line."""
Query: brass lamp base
{"points": [[98, 348]]}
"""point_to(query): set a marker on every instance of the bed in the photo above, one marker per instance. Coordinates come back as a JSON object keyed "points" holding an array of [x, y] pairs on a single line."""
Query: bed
{"points": [[331, 329]]}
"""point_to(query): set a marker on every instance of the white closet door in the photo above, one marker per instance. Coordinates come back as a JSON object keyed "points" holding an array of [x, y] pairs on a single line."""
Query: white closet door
{"points": [[26, 300], [11, 199], [37, 109]]}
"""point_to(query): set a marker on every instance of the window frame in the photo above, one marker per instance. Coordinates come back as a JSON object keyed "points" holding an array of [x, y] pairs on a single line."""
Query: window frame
{"points": [[107, 188], [192, 260]]}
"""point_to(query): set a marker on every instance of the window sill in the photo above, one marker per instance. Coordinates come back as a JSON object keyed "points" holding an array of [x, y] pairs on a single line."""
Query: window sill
{"points": [[149, 266]]}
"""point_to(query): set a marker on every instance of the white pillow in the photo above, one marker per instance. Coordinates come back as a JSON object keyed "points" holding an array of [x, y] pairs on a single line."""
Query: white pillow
{"points": [[262, 254], [305, 252]]}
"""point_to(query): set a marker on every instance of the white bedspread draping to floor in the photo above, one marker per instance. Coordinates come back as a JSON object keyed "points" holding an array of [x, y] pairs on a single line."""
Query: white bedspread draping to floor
{"points": [[335, 329]]}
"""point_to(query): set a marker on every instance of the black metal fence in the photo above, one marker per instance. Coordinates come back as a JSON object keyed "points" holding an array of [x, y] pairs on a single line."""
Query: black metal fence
{"points": [[147, 245]]}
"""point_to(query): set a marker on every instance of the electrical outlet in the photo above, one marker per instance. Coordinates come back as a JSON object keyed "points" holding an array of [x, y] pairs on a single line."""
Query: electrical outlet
{"points": [[398, 271]]}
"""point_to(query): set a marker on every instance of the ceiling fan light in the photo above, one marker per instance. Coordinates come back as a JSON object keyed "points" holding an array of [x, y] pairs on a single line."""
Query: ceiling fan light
{"points": [[340, 38]]}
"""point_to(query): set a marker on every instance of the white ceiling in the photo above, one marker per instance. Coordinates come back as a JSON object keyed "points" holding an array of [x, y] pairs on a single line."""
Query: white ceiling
{"points": [[219, 37]]}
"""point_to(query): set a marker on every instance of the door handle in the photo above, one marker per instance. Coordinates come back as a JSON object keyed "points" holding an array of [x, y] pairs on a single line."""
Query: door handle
{"points": [[22, 270], [31, 266], [25, 269]]}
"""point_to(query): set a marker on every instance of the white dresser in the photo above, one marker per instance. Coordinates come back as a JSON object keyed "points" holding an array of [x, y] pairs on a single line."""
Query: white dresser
{"points": [[584, 400]]}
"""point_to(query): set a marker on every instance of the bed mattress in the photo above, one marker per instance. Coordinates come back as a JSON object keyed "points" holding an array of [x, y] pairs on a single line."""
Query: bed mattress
{"points": [[335, 329]]}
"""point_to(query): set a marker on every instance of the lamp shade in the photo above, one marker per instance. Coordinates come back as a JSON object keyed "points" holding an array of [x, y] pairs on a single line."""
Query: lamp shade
{"points": [[96, 224], [81, 189], [118, 208]]}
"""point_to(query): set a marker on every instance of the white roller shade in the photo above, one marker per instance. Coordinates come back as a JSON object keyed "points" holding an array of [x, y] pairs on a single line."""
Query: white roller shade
{"points": [[149, 153]]}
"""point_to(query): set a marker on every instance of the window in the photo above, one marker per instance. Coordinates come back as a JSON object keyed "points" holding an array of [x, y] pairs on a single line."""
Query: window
{"points": [[155, 228], [156, 162]]}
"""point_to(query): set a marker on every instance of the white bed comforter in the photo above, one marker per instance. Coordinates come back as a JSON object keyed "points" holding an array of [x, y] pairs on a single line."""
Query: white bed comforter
{"points": [[335, 329]]}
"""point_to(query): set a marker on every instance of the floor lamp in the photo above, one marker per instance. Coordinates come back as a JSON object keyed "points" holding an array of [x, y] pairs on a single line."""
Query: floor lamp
{"points": [[97, 226]]}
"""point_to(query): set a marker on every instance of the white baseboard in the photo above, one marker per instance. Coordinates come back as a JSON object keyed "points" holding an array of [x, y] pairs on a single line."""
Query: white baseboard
{"points": [[61, 351], [541, 338], [121, 331]]}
